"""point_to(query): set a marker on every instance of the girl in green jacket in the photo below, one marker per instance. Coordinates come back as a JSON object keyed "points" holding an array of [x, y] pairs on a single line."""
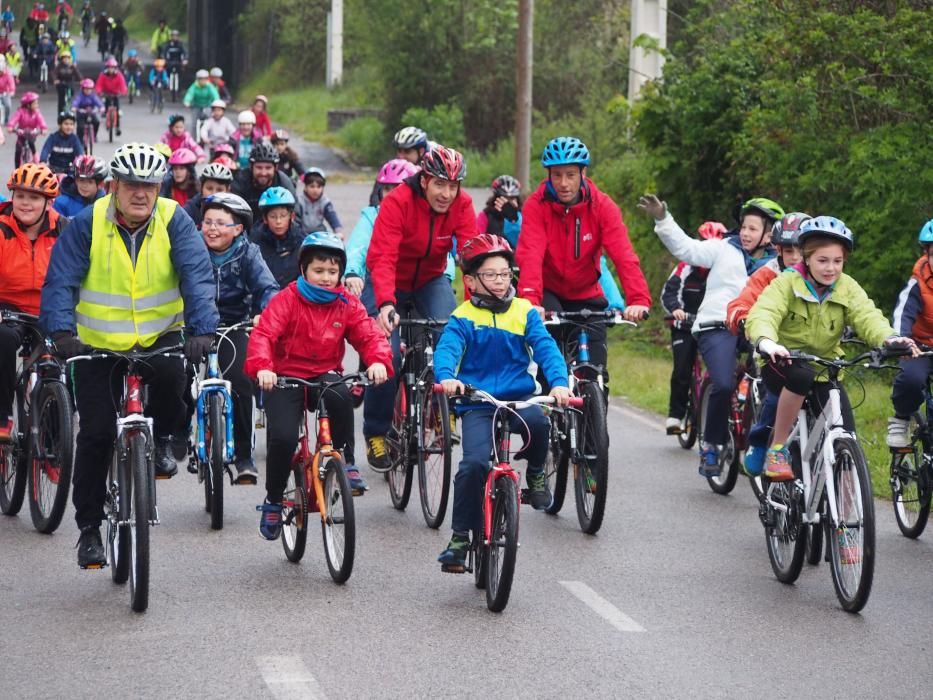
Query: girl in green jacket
{"points": [[807, 308]]}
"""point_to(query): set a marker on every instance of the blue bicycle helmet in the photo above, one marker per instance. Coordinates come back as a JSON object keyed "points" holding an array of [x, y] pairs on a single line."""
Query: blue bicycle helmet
{"points": [[565, 150], [926, 233], [276, 197], [324, 242], [828, 227], [131, 53]]}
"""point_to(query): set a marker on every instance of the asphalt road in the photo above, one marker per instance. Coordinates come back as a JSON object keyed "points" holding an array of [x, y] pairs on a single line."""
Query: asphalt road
{"points": [[673, 598]]}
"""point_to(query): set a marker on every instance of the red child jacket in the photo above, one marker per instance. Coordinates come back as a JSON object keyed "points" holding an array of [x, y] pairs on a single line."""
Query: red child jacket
{"points": [[23, 263]]}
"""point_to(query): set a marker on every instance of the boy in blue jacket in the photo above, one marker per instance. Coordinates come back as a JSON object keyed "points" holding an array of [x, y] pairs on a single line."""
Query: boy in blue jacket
{"points": [[62, 147], [83, 187], [489, 343]]}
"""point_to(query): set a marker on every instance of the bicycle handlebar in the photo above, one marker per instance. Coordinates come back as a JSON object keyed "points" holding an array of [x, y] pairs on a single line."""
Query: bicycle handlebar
{"points": [[130, 355], [17, 317], [480, 395], [713, 325], [358, 378], [608, 317]]}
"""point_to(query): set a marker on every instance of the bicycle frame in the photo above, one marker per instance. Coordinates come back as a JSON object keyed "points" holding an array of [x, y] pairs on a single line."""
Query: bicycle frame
{"points": [[131, 420], [214, 384]]}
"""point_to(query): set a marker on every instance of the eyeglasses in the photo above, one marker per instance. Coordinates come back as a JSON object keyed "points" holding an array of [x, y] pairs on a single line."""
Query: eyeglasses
{"points": [[206, 224], [488, 276]]}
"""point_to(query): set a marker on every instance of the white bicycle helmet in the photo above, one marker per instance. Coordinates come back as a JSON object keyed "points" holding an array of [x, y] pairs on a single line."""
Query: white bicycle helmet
{"points": [[218, 103], [138, 162], [247, 116], [202, 75], [217, 73], [410, 137], [218, 172]]}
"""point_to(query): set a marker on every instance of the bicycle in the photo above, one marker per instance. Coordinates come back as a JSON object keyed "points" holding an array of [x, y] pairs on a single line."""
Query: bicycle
{"points": [[911, 476], [112, 115], [830, 497], [43, 75], [687, 434], [213, 449], [88, 136], [744, 408], [155, 98], [493, 552], [130, 506], [25, 149], [86, 30], [174, 71], [317, 483], [420, 433], [204, 113], [132, 85], [581, 438], [40, 451]]}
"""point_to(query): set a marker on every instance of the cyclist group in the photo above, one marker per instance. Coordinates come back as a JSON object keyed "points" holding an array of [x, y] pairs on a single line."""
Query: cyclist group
{"points": [[141, 252]]}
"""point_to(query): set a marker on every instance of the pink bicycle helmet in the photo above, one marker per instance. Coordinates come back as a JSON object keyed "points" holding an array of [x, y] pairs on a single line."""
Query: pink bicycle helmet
{"points": [[395, 171], [111, 63], [183, 156], [87, 83], [223, 148], [28, 98], [711, 229]]}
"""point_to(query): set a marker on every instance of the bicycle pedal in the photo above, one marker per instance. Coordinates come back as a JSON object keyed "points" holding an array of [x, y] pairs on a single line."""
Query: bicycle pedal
{"points": [[163, 477], [245, 481], [453, 568], [93, 567], [902, 450]]}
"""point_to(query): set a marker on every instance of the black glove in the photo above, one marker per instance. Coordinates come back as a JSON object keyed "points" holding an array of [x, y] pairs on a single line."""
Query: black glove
{"points": [[196, 347], [68, 345]]}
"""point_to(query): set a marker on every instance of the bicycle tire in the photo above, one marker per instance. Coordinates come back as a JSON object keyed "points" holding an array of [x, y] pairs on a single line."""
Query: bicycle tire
{"points": [[119, 492], [556, 464], [910, 491], [295, 513], [129, 92], [215, 452], [51, 457], [400, 475], [852, 579], [139, 522], [13, 472], [503, 544], [110, 125], [434, 474], [480, 552], [687, 436], [786, 536], [594, 439], [814, 544], [338, 528], [728, 455]]}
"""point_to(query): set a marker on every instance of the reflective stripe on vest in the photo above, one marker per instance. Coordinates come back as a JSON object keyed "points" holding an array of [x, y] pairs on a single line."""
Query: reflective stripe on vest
{"points": [[121, 306]]}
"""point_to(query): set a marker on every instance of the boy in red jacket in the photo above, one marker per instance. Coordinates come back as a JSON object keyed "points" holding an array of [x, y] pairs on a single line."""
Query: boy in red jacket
{"points": [[301, 333]]}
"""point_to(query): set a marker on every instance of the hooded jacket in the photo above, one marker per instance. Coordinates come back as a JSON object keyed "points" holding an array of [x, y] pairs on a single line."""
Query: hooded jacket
{"points": [[913, 314], [24, 263], [280, 254], [243, 284], [69, 203]]}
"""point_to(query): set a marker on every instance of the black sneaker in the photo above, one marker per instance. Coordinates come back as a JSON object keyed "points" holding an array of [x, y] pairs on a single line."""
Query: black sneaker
{"points": [[165, 465], [246, 471], [91, 554], [453, 559], [538, 490]]}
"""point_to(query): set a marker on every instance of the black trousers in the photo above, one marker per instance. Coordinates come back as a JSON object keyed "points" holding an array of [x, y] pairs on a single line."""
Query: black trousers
{"points": [[231, 354], [800, 378], [684, 348], [284, 412], [11, 339], [98, 388]]}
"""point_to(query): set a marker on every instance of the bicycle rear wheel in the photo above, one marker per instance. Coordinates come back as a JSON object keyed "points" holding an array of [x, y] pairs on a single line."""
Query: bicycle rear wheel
{"points": [[111, 125], [51, 457], [434, 456], [728, 455], [13, 463], [591, 463], [910, 491], [852, 541], [339, 526], [295, 513], [687, 436], [399, 449], [139, 522], [785, 536], [555, 466], [503, 544], [215, 441]]}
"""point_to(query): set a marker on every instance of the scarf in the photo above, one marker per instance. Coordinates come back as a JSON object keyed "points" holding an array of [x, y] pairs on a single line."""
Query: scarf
{"points": [[223, 256], [318, 295], [752, 264]]}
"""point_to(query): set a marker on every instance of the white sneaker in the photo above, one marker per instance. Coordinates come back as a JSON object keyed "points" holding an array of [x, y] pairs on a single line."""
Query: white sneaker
{"points": [[898, 433], [673, 426]]}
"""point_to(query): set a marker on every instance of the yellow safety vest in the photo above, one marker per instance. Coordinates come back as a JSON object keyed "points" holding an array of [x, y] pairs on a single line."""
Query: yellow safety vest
{"points": [[121, 306]]}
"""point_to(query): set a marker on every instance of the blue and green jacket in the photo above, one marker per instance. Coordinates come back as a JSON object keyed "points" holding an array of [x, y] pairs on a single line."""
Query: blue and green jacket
{"points": [[494, 351]]}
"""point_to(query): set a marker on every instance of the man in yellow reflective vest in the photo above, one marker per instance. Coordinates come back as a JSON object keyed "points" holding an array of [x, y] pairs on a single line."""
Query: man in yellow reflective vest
{"points": [[129, 272]]}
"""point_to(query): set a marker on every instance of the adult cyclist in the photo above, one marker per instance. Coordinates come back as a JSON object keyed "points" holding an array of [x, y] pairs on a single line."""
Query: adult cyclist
{"points": [[567, 223], [142, 278], [407, 257], [411, 143]]}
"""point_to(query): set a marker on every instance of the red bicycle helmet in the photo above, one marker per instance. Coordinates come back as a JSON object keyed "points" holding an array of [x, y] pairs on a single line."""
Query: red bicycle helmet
{"points": [[444, 163], [711, 229], [90, 168], [477, 249]]}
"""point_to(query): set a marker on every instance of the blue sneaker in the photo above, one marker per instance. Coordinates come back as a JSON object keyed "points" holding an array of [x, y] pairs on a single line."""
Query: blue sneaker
{"points": [[357, 483], [709, 461], [270, 522], [755, 460], [453, 559]]}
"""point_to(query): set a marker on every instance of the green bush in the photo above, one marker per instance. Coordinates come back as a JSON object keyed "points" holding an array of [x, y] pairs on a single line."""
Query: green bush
{"points": [[443, 124], [365, 139]]}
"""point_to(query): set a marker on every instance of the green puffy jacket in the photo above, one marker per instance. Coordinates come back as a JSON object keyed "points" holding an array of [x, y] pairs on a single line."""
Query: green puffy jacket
{"points": [[789, 313], [200, 96]]}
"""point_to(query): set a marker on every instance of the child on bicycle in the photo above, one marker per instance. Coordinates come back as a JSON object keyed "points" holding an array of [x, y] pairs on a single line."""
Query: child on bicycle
{"points": [[158, 75], [314, 210], [913, 317], [83, 187], [302, 334], [88, 106], [488, 343], [27, 122], [278, 235], [112, 85], [177, 137], [807, 309], [62, 147]]}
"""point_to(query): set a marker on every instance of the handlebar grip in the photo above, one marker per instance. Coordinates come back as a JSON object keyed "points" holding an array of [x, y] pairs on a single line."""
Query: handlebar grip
{"points": [[576, 402], [438, 389]]}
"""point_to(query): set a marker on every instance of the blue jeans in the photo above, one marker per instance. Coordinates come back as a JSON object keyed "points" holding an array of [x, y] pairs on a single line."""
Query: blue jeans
{"points": [[477, 447], [910, 384], [434, 300], [718, 350]]}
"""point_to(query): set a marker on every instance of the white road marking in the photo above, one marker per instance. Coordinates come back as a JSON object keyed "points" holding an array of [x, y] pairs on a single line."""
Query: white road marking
{"points": [[289, 679], [634, 415], [602, 607]]}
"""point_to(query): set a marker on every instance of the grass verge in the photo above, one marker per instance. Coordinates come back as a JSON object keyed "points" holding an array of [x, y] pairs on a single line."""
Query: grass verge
{"points": [[640, 373]]}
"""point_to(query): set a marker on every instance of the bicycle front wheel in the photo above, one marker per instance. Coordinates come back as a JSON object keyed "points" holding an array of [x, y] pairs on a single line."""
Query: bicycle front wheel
{"points": [[910, 491], [851, 541], [591, 463], [785, 536], [687, 436], [555, 466], [13, 464], [434, 456], [398, 446], [503, 544], [728, 455], [215, 441], [295, 513], [51, 458], [339, 526], [139, 522]]}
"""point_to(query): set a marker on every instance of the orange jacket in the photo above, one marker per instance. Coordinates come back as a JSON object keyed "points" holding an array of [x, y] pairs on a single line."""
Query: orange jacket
{"points": [[739, 307], [23, 263]]}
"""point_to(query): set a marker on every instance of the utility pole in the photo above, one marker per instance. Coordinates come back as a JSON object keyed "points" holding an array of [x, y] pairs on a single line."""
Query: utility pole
{"points": [[524, 70], [649, 17], [335, 44]]}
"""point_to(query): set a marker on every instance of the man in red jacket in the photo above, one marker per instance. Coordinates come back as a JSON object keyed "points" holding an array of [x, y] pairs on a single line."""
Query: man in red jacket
{"points": [[412, 237], [566, 225]]}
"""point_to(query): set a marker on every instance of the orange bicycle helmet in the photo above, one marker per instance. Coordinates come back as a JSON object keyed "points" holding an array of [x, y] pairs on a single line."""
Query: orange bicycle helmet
{"points": [[34, 177]]}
